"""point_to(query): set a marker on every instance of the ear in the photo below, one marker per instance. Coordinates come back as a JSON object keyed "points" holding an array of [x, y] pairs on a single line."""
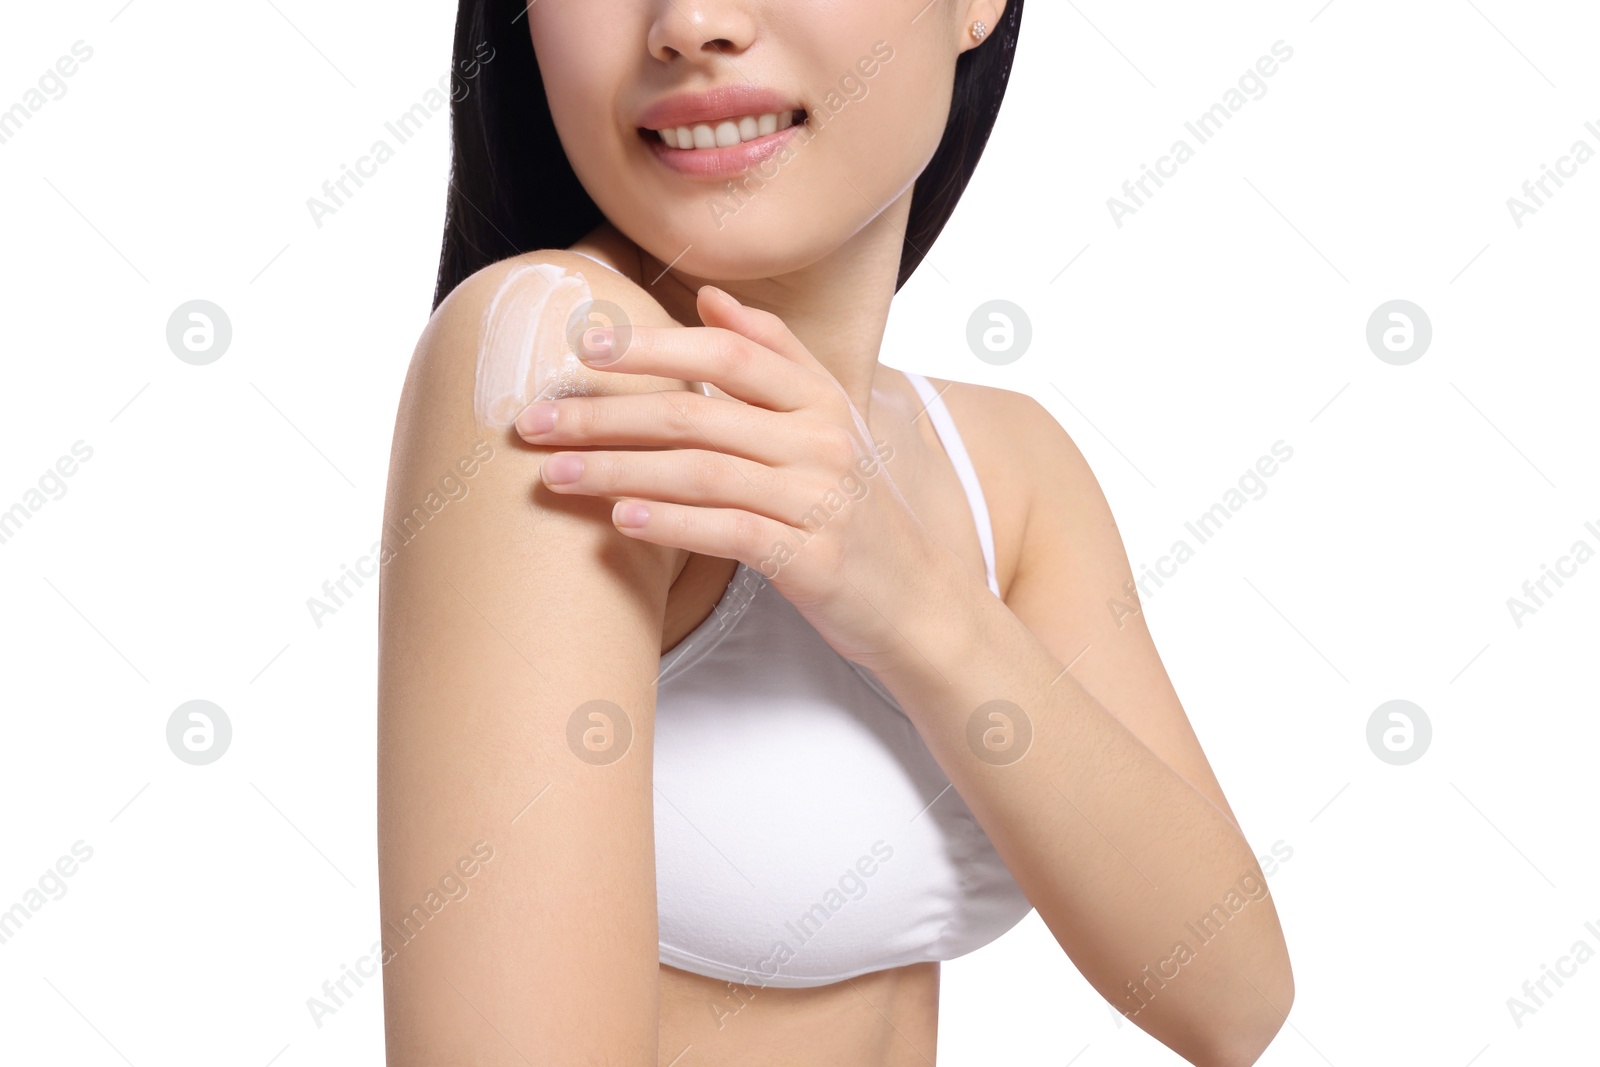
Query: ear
{"points": [[988, 12]]}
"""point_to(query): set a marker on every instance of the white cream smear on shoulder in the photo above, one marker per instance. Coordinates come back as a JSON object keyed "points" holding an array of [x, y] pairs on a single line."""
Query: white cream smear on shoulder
{"points": [[526, 347]]}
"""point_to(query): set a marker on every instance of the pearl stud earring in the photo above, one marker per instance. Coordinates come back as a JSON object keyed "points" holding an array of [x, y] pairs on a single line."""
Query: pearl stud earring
{"points": [[978, 30]]}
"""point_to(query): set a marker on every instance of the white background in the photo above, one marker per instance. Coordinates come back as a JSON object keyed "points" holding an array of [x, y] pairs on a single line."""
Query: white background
{"points": [[1228, 313]]}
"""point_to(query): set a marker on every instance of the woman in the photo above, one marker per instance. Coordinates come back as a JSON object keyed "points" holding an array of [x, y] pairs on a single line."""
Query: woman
{"points": [[721, 779]]}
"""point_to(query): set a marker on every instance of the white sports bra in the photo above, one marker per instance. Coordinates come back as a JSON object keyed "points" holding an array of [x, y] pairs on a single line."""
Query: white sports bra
{"points": [[804, 833]]}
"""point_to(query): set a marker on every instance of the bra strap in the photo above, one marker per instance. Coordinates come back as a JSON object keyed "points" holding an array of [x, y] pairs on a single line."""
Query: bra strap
{"points": [[956, 449]]}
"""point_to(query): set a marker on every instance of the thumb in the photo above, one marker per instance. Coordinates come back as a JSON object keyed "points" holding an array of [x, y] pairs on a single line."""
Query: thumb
{"points": [[718, 307]]}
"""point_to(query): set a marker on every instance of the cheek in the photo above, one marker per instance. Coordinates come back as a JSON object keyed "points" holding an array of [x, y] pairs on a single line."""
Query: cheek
{"points": [[579, 87], [569, 88], [889, 122], [583, 109]]}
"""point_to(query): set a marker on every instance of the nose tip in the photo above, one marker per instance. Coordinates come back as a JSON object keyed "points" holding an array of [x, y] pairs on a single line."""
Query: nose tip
{"points": [[699, 29]]}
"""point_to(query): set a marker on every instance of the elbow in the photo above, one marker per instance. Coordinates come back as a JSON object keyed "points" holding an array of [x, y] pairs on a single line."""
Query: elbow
{"points": [[1248, 1035]]}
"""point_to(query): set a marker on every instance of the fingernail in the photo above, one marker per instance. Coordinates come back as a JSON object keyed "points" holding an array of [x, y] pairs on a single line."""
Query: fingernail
{"points": [[723, 295], [596, 346], [631, 514], [561, 469], [537, 418]]}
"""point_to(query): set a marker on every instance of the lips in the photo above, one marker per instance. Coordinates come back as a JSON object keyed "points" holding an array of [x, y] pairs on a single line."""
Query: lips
{"points": [[721, 132], [720, 163], [724, 103]]}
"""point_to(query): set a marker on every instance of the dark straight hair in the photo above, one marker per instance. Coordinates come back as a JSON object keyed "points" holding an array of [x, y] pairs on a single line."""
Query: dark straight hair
{"points": [[512, 189]]}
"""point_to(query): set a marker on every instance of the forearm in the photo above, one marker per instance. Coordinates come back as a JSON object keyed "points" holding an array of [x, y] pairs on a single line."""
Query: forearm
{"points": [[1124, 859]]}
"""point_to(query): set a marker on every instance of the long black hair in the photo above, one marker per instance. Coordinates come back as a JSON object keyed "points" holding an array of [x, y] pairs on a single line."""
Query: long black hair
{"points": [[512, 189]]}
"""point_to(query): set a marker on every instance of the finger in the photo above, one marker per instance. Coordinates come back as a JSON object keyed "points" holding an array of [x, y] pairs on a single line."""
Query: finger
{"points": [[728, 533], [677, 419], [718, 307], [682, 475], [740, 367]]}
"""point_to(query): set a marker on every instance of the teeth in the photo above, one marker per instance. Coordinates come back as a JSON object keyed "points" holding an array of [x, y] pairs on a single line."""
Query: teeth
{"points": [[727, 133]]}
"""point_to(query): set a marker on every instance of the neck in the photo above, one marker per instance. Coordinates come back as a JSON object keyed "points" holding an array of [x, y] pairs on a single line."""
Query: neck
{"points": [[837, 306]]}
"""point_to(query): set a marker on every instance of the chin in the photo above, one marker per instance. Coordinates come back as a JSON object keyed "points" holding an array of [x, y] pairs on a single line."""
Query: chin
{"points": [[760, 241]]}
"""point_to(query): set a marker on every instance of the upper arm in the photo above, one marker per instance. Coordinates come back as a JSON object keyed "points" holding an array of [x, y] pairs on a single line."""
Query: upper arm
{"points": [[504, 608], [1075, 591]]}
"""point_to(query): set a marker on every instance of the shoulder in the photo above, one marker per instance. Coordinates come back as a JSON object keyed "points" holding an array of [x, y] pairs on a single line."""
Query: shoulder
{"points": [[479, 288], [524, 308], [1023, 442], [1026, 462], [503, 336], [534, 299]]}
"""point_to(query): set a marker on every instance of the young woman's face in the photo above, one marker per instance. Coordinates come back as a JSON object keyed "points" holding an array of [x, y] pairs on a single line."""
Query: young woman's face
{"points": [[873, 77]]}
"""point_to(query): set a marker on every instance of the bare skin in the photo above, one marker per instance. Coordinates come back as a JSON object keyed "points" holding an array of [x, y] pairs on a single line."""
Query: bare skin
{"points": [[885, 1017], [559, 954], [555, 957], [438, 994], [1053, 525], [1115, 826]]}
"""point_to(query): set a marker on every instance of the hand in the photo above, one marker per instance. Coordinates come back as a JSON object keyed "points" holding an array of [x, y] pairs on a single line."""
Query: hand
{"points": [[784, 477]]}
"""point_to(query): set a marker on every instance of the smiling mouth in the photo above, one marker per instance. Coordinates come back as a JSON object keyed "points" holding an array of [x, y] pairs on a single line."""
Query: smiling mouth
{"points": [[725, 133]]}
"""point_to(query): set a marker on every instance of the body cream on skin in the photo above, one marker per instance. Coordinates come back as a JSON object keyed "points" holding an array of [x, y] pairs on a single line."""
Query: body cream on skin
{"points": [[527, 347]]}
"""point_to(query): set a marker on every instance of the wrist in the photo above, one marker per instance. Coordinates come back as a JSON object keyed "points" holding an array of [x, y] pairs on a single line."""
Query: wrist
{"points": [[942, 631]]}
